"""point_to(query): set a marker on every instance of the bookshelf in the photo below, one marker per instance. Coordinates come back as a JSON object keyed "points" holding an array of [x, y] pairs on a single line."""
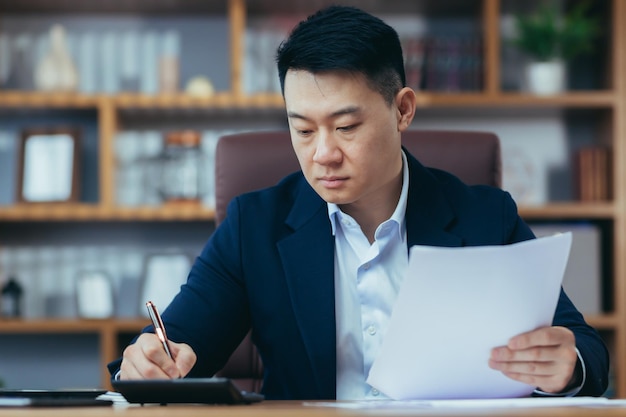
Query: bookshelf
{"points": [[603, 108]]}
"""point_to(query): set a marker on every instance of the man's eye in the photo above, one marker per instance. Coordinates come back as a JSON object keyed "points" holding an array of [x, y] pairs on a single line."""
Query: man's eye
{"points": [[346, 128], [303, 132]]}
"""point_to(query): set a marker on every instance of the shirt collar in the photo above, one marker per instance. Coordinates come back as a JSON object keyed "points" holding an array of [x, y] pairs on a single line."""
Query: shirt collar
{"points": [[398, 215]]}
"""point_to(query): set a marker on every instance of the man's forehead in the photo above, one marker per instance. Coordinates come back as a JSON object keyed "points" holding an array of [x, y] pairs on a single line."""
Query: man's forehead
{"points": [[295, 74]]}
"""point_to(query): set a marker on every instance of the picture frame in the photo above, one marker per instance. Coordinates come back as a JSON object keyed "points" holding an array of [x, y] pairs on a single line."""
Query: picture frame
{"points": [[163, 275], [48, 165], [94, 294]]}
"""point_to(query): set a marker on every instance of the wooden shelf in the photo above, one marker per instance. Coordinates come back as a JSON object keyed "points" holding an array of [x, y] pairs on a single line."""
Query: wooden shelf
{"points": [[591, 99], [19, 99], [141, 7], [609, 322], [555, 211], [70, 326], [89, 212], [182, 101], [225, 100]]}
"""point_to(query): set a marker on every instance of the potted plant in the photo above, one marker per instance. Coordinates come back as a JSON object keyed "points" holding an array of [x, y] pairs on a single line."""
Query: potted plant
{"points": [[551, 40]]}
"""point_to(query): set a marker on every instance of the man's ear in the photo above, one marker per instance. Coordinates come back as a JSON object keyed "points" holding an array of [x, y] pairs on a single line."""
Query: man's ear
{"points": [[406, 102]]}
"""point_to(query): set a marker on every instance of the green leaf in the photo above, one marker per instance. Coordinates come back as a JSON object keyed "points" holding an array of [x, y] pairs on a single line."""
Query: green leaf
{"points": [[545, 35]]}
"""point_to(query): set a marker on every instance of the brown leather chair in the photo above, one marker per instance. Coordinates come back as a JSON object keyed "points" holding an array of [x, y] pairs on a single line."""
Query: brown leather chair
{"points": [[250, 161]]}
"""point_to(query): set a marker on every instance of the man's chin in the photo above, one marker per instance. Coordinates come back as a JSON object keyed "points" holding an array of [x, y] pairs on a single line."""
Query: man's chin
{"points": [[334, 198]]}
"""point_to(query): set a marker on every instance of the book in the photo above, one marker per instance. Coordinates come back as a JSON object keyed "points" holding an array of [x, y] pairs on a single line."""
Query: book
{"points": [[592, 170]]}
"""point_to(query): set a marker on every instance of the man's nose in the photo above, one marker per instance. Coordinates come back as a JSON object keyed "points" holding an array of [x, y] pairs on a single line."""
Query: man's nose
{"points": [[326, 150]]}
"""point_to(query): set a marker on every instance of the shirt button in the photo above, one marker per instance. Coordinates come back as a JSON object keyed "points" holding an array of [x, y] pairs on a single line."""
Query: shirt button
{"points": [[366, 266], [346, 222], [375, 392], [371, 330]]}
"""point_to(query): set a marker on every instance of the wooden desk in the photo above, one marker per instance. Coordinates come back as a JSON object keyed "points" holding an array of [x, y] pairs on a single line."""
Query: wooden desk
{"points": [[296, 409]]}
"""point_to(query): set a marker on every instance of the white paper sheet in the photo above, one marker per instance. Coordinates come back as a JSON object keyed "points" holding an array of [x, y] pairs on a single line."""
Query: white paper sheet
{"points": [[455, 305], [499, 403]]}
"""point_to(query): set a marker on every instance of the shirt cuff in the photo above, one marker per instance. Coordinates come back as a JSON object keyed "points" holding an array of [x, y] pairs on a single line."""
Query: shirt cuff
{"points": [[573, 391], [116, 376]]}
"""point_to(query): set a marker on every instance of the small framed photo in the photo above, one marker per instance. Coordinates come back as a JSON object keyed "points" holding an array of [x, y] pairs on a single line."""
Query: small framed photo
{"points": [[48, 166], [163, 275], [94, 295]]}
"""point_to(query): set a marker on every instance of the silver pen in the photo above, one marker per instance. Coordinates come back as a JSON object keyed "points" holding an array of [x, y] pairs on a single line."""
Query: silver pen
{"points": [[159, 329]]}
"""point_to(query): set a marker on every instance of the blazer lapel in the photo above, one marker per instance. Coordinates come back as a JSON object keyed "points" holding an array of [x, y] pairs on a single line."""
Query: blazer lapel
{"points": [[308, 261], [428, 213]]}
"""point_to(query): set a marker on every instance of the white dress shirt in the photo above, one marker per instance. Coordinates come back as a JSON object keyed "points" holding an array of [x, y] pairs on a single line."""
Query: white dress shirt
{"points": [[367, 281]]}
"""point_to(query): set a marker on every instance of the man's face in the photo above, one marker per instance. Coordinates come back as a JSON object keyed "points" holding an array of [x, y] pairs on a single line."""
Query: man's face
{"points": [[345, 135]]}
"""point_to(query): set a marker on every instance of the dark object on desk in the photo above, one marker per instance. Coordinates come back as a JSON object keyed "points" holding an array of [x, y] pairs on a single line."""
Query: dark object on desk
{"points": [[52, 398], [10, 402], [186, 390], [86, 393]]}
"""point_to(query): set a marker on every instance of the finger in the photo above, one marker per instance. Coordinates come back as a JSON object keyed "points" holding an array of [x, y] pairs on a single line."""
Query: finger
{"points": [[527, 368], [546, 383], [549, 376], [138, 370], [128, 370], [135, 365], [533, 354], [545, 336], [185, 357], [150, 354], [155, 353]]}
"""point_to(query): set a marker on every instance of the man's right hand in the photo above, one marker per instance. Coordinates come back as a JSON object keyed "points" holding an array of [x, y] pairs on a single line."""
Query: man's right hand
{"points": [[146, 359]]}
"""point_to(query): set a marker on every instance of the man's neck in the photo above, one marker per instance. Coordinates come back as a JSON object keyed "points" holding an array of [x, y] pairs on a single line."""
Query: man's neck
{"points": [[370, 213]]}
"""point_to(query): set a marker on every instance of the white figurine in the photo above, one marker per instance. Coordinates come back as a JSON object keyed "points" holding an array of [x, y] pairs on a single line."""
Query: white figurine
{"points": [[56, 71]]}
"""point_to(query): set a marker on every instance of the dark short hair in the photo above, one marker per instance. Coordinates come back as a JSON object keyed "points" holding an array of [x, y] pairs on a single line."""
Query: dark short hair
{"points": [[349, 39]]}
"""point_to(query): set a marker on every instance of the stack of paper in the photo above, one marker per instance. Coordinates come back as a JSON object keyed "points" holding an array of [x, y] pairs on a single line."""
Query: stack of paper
{"points": [[455, 305]]}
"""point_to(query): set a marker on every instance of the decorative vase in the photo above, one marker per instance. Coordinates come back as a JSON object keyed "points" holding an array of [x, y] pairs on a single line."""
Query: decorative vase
{"points": [[545, 78], [56, 71]]}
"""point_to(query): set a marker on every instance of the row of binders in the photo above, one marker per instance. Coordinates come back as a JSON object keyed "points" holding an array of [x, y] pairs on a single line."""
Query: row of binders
{"points": [[593, 166]]}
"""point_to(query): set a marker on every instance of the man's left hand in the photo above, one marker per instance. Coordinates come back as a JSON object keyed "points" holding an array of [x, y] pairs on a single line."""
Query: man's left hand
{"points": [[544, 358]]}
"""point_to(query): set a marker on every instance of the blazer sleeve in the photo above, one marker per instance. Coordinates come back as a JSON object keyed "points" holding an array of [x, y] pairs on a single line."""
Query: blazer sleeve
{"points": [[588, 341], [210, 313], [590, 345]]}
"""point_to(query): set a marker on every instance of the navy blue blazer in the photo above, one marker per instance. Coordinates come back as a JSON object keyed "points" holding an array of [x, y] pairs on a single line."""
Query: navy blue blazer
{"points": [[270, 267]]}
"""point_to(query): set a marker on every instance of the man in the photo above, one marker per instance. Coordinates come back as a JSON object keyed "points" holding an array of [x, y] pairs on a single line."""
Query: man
{"points": [[315, 263]]}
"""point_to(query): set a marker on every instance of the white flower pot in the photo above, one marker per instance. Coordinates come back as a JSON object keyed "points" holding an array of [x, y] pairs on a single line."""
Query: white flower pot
{"points": [[545, 78]]}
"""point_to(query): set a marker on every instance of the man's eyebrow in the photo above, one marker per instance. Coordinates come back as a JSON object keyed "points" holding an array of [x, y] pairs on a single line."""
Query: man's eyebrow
{"points": [[347, 110], [294, 115], [340, 112]]}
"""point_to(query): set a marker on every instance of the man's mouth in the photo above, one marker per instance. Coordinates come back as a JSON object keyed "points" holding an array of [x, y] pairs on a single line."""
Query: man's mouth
{"points": [[333, 181]]}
